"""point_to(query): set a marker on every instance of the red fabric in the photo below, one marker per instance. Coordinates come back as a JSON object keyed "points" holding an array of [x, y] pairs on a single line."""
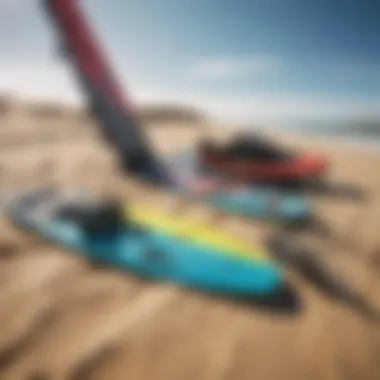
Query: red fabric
{"points": [[87, 52], [302, 167]]}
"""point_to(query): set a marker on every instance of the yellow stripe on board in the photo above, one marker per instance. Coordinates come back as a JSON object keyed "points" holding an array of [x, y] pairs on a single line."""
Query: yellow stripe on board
{"points": [[191, 231]]}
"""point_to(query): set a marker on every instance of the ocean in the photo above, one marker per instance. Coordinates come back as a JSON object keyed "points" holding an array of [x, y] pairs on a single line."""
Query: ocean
{"points": [[360, 136]]}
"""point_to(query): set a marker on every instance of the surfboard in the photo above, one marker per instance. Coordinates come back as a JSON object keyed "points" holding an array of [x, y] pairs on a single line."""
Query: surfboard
{"points": [[99, 232], [196, 233]]}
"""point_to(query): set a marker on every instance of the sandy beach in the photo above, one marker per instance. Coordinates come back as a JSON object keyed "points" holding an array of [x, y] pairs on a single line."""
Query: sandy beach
{"points": [[64, 318]]}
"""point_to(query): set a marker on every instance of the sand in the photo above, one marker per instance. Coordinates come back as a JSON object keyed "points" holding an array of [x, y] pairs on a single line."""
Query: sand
{"points": [[64, 318]]}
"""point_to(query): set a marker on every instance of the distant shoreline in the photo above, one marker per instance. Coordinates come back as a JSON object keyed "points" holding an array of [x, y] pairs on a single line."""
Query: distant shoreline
{"points": [[345, 142]]}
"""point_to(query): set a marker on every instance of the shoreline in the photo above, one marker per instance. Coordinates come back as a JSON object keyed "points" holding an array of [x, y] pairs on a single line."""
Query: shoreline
{"points": [[303, 137], [349, 144]]}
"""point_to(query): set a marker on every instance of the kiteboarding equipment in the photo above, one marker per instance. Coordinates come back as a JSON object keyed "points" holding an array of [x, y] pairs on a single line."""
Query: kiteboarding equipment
{"points": [[99, 230], [117, 121], [252, 201], [197, 233], [120, 126], [253, 158]]}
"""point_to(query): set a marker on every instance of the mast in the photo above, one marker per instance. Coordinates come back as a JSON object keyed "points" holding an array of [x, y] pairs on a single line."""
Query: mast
{"points": [[115, 114]]}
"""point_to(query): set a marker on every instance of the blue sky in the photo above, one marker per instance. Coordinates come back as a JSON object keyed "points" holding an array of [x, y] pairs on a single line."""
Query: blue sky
{"points": [[242, 59]]}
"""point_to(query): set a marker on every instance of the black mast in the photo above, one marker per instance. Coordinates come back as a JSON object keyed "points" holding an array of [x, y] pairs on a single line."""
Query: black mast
{"points": [[116, 116]]}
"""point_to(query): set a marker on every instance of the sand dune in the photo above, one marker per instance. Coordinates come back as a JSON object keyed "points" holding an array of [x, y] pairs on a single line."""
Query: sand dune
{"points": [[64, 318]]}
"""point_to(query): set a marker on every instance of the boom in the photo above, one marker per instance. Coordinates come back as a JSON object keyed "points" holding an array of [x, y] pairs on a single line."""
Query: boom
{"points": [[117, 118]]}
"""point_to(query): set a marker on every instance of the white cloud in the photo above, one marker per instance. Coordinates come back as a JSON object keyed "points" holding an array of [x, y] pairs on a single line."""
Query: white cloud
{"points": [[267, 108], [38, 80], [234, 67], [52, 81], [216, 68]]}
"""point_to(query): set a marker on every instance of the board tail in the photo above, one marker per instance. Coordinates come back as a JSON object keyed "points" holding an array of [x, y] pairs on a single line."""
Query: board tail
{"points": [[117, 117]]}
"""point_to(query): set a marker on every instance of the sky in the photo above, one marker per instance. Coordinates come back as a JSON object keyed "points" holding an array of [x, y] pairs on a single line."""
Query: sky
{"points": [[241, 60]]}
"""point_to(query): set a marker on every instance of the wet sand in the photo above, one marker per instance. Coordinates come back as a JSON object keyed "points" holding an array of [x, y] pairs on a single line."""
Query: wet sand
{"points": [[64, 318]]}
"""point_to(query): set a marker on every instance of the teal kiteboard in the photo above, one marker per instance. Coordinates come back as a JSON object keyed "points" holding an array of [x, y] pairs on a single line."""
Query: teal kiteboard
{"points": [[253, 201], [98, 231]]}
